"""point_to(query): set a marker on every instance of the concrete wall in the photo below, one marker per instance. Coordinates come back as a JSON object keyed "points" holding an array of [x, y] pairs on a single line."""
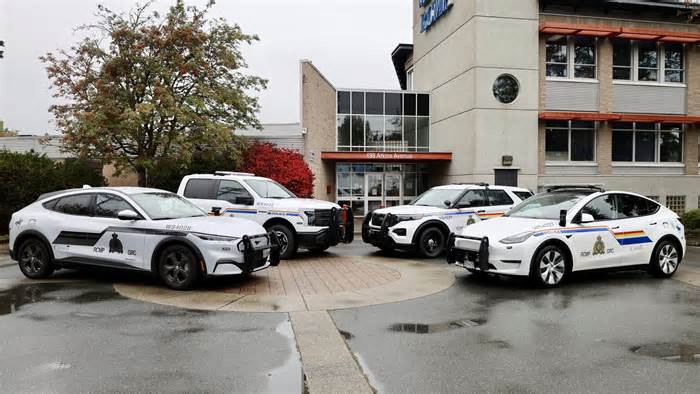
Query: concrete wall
{"points": [[457, 60], [318, 97]]}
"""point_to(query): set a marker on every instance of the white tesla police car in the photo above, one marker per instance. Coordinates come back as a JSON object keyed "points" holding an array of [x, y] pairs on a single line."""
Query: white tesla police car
{"points": [[428, 220], [135, 228], [298, 222], [573, 228]]}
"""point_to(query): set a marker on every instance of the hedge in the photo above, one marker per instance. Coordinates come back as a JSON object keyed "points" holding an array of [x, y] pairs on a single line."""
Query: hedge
{"points": [[691, 219], [25, 176]]}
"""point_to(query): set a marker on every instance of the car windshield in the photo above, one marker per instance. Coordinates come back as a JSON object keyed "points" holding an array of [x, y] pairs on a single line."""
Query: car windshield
{"points": [[163, 206], [269, 189], [437, 197], [546, 205]]}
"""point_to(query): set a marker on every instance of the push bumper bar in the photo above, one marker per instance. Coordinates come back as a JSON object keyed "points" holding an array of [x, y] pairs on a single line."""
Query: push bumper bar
{"points": [[478, 253], [253, 254]]}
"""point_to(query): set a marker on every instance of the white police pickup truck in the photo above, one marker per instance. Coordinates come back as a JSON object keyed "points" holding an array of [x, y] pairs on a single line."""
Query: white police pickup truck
{"points": [[427, 221], [298, 222]]}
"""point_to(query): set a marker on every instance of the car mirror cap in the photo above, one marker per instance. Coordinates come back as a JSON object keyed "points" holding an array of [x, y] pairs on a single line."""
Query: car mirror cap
{"points": [[562, 218], [587, 218], [128, 214]]}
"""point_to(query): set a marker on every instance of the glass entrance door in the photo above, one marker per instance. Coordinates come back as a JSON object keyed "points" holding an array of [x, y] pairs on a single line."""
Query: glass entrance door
{"points": [[375, 191], [393, 186]]}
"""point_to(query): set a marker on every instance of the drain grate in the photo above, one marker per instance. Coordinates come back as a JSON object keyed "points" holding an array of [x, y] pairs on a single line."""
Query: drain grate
{"points": [[421, 328]]}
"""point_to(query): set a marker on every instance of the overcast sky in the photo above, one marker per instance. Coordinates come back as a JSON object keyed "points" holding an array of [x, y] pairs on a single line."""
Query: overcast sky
{"points": [[350, 41]]}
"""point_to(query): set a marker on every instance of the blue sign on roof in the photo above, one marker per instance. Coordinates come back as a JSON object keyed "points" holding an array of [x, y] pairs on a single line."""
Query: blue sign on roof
{"points": [[433, 12]]}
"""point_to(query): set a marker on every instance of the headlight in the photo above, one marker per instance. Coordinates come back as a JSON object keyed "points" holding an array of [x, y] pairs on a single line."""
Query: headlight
{"points": [[405, 218], [310, 217], [517, 238], [216, 238]]}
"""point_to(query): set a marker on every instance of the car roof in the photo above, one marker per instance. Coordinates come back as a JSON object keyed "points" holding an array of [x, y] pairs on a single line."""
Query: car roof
{"points": [[225, 176], [463, 186], [128, 190]]}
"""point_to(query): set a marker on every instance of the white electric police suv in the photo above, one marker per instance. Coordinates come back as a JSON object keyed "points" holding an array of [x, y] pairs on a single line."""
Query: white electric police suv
{"points": [[427, 221], [136, 228], [573, 228], [298, 222]]}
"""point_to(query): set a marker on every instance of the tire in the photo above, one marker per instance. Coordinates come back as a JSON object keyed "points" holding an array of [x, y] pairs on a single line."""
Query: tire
{"points": [[34, 259], [550, 267], [431, 242], [288, 243], [665, 259], [319, 249], [177, 267]]}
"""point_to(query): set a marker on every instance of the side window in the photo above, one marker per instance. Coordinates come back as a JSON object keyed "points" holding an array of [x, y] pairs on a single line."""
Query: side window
{"points": [[499, 197], [472, 198], [601, 208], [75, 205], [109, 205], [200, 188], [629, 206], [523, 195], [234, 193]]}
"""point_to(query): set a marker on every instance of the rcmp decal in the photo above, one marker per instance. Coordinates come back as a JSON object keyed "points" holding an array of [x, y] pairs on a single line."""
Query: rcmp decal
{"points": [[115, 245], [622, 237]]}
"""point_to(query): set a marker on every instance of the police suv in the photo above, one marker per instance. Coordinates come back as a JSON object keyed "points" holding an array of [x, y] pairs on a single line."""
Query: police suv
{"points": [[298, 222], [573, 228], [427, 221], [139, 229]]}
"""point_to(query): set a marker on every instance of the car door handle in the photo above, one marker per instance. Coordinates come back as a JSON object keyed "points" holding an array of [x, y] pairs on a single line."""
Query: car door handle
{"points": [[482, 211], [615, 228], [652, 224]]}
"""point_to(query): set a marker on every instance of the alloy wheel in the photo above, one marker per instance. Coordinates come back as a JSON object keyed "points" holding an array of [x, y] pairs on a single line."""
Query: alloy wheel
{"points": [[668, 259], [552, 267], [283, 241], [177, 267], [33, 258]]}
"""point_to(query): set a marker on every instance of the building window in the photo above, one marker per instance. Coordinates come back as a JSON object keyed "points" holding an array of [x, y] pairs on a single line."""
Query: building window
{"points": [[648, 61], [383, 121], [582, 62], [505, 88], [676, 204], [570, 141], [647, 142], [655, 198]]}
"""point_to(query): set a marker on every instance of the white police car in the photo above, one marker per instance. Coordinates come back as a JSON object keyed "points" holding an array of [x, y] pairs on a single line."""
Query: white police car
{"points": [[135, 228], [573, 228], [428, 220], [297, 222]]}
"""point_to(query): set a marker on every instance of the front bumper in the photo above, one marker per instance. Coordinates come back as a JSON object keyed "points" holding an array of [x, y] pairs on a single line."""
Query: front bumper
{"points": [[473, 249], [479, 254], [254, 257], [340, 229], [380, 237]]}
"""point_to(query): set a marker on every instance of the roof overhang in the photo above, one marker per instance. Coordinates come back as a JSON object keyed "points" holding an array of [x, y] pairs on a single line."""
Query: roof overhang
{"points": [[600, 116], [386, 156], [399, 56], [620, 32]]}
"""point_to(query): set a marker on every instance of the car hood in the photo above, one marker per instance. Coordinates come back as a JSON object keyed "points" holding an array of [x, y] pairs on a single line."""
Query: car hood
{"points": [[216, 225], [410, 210], [300, 204], [502, 227]]}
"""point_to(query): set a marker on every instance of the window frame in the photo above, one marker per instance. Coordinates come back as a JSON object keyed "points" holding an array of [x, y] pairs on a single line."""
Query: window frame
{"points": [[657, 146], [218, 190], [91, 206], [571, 61], [213, 187], [660, 66], [615, 197], [94, 205], [569, 161]]}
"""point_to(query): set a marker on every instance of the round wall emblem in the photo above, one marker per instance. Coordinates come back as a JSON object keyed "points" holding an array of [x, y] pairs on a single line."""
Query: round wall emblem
{"points": [[506, 88]]}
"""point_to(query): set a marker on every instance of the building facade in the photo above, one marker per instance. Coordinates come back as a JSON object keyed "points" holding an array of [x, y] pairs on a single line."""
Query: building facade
{"points": [[521, 92]]}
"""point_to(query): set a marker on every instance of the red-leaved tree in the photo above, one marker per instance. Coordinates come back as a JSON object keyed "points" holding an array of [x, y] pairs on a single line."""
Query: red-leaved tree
{"points": [[283, 165]]}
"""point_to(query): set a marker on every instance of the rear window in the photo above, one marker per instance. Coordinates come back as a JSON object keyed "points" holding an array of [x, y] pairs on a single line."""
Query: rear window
{"points": [[200, 188], [523, 195], [499, 197], [74, 205]]}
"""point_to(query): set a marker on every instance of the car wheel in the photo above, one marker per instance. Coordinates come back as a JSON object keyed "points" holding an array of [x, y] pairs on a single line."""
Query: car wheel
{"points": [[665, 259], [549, 268], [431, 242], [288, 244], [34, 259], [178, 267]]}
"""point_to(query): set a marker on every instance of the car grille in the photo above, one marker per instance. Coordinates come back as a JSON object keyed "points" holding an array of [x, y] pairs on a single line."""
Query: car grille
{"points": [[323, 217], [377, 219]]}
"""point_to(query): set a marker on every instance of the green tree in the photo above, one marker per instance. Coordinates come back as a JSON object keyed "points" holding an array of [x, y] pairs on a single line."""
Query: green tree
{"points": [[148, 88]]}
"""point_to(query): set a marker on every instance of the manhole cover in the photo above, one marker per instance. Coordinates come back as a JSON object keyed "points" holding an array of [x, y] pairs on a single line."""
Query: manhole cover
{"points": [[679, 352]]}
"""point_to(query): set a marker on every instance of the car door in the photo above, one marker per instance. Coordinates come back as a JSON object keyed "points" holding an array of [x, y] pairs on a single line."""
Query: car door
{"points": [[637, 227], [499, 203], [121, 241], [202, 193], [593, 244], [76, 235], [470, 206], [237, 199]]}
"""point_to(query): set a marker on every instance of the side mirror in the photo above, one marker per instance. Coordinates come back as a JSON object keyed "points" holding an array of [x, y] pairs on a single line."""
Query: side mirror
{"points": [[587, 218], [447, 203], [128, 214], [562, 218]]}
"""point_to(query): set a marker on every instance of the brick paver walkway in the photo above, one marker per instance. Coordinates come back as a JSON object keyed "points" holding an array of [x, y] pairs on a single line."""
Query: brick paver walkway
{"points": [[316, 276]]}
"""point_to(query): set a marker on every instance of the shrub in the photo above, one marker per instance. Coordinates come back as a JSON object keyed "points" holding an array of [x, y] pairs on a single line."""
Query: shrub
{"points": [[691, 219], [283, 165], [25, 176]]}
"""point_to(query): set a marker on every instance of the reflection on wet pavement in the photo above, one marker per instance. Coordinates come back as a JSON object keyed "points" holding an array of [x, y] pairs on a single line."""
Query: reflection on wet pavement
{"points": [[11, 300], [680, 352]]}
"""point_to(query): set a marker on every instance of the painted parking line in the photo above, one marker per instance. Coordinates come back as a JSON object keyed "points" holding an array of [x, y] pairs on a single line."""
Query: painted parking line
{"points": [[328, 364]]}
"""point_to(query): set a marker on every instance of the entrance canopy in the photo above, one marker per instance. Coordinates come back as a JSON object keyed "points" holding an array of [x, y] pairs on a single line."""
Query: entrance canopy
{"points": [[386, 156]]}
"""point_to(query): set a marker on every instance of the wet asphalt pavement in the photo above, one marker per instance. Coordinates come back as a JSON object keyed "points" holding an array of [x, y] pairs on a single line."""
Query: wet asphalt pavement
{"points": [[601, 332]]}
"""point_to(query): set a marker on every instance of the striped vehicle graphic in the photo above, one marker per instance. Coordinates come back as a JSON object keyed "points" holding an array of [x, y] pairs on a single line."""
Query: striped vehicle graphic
{"points": [[622, 237]]}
